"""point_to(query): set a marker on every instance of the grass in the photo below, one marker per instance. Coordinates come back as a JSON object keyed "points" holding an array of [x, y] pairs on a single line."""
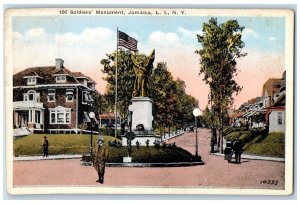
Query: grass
{"points": [[272, 146], [80, 144], [58, 144], [258, 143]]}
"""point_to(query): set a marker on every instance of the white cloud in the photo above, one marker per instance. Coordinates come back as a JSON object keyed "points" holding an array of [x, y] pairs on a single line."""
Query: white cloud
{"points": [[189, 35], [248, 32], [158, 38], [272, 38], [35, 32]]}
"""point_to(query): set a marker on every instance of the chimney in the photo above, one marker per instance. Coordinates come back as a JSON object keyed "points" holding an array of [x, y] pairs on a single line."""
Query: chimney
{"points": [[59, 63]]}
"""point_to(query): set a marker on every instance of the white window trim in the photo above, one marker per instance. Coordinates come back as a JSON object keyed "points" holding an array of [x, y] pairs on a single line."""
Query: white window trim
{"points": [[59, 80], [62, 110], [53, 93], [31, 80], [69, 90], [36, 96], [89, 97], [84, 102]]}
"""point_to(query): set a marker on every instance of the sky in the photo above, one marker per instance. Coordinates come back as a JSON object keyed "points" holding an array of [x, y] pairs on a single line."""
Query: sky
{"points": [[82, 41]]}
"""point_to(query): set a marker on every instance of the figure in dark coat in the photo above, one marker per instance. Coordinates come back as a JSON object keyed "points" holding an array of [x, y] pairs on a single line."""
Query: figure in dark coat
{"points": [[238, 149], [45, 147], [100, 157]]}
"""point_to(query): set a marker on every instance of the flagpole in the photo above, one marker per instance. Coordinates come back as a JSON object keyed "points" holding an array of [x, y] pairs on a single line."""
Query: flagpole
{"points": [[116, 91]]}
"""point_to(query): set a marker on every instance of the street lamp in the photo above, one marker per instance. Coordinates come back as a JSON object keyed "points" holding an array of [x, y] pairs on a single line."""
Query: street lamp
{"points": [[92, 116], [196, 112]]}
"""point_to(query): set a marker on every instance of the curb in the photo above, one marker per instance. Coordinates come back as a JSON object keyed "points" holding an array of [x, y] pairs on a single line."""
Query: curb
{"points": [[252, 157], [177, 164]]}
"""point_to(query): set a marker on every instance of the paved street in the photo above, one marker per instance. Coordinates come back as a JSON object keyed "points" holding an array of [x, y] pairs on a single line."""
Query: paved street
{"points": [[216, 172]]}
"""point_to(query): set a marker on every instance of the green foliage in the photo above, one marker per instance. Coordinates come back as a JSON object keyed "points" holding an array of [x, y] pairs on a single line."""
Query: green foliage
{"points": [[58, 144], [171, 105], [257, 144], [151, 155], [80, 144], [221, 46], [273, 145], [126, 79]]}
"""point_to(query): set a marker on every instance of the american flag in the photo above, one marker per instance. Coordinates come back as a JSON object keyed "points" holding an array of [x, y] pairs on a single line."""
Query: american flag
{"points": [[127, 41]]}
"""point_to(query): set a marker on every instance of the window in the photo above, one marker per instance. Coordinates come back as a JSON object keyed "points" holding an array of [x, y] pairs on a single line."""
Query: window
{"points": [[60, 115], [69, 95], [37, 117], [31, 96], [86, 97], [51, 95], [279, 118], [31, 81], [61, 79]]}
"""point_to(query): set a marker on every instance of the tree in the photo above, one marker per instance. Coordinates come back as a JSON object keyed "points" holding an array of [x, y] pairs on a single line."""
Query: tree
{"points": [[221, 46], [125, 80], [171, 105], [185, 105]]}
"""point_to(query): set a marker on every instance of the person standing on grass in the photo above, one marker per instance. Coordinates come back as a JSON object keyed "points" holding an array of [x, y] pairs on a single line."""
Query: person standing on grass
{"points": [[100, 157], [45, 147]]}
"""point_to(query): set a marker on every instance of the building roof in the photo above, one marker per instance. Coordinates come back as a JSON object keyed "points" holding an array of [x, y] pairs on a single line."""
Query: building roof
{"points": [[46, 75], [80, 75], [107, 116], [33, 74], [271, 86]]}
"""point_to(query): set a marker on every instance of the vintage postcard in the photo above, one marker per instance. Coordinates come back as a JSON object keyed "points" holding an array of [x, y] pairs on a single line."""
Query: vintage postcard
{"points": [[149, 101]]}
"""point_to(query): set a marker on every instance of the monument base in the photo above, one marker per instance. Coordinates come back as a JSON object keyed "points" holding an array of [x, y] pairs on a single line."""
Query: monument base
{"points": [[142, 137], [126, 159], [142, 112]]}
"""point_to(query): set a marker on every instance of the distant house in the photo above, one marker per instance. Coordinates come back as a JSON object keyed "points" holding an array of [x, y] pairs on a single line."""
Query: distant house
{"points": [[276, 113], [51, 99], [270, 88], [276, 116]]}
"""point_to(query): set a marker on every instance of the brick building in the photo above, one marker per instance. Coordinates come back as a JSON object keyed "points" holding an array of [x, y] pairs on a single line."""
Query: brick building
{"points": [[51, 99]]}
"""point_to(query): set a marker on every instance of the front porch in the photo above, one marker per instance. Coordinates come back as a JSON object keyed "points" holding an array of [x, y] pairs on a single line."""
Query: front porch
{"points": [[29, 115]]}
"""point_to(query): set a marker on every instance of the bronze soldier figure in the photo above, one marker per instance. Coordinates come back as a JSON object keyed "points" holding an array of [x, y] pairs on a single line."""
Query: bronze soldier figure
{"points": [[142, 69], [100, 157]]}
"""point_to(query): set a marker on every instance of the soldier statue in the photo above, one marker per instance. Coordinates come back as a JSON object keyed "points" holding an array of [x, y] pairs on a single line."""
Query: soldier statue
{"points": [[143, 66]]}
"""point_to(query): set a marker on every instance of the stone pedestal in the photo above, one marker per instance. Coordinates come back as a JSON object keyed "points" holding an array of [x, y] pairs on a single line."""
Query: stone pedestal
{"points": [[142, 112], [126, 159]]}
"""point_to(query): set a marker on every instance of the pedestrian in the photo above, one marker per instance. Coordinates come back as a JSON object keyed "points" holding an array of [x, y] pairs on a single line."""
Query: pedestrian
{"points": [[45, 146], [238, 149], [100, 157], [137, 144], [147, 143]]}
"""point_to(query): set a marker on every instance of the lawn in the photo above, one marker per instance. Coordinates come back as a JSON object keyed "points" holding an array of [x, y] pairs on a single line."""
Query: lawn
{"points": [[80, 144], [272, 146], [260, 144], [58, 144]]}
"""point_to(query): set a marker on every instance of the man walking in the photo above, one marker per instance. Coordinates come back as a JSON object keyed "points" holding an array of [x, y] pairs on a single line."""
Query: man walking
{"points": [[100, 157], [238, 149]]}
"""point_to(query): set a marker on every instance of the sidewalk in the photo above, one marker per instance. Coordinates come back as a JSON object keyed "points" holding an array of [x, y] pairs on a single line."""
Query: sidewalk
{"points": [[50, 157], [253, 157]]}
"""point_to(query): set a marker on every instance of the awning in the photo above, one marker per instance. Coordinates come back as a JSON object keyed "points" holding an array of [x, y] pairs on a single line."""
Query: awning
{"points": [[86, 118]]}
